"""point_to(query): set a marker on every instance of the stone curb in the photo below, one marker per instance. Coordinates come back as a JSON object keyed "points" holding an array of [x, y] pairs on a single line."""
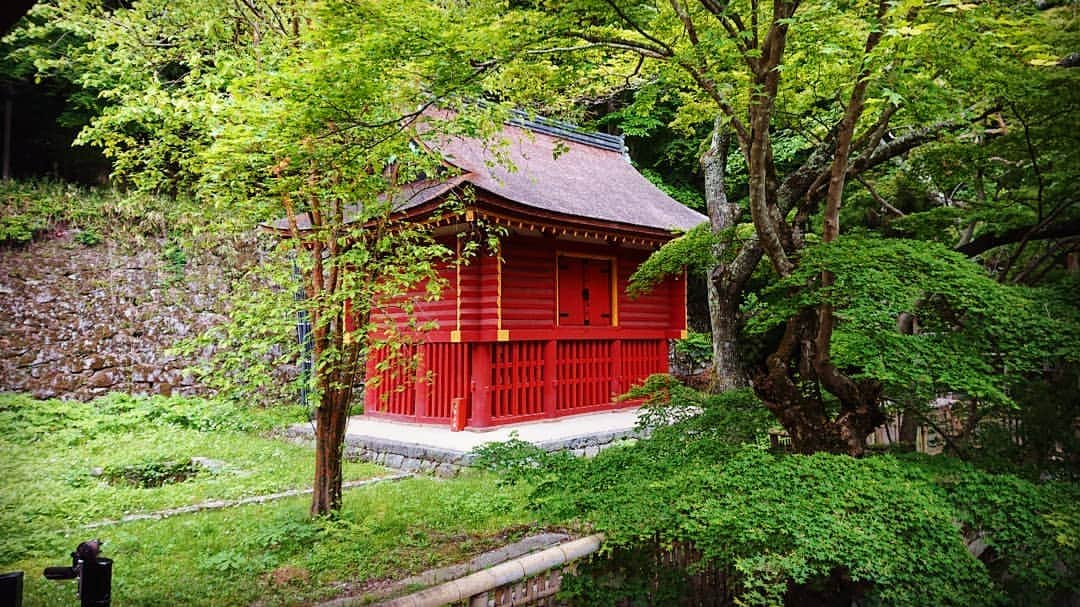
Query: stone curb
{"points": [[413, 457], [219, 504], [509, 572], [445, 574]]}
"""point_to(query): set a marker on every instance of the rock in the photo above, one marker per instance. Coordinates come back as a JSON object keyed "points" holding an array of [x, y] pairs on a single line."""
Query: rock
{"points": [[141, 373], [103, 379], [98, 362], [213, 465]]}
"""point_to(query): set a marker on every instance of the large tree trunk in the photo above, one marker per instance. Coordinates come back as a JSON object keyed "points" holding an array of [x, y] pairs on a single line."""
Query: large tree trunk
{"points": [[791, 386], [331, 419], [727, 372]]}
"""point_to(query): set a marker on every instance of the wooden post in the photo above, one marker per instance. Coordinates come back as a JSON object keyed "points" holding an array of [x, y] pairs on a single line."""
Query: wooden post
{"points": [[421, 409], [617, 386], [481, 385], [550, 369]]}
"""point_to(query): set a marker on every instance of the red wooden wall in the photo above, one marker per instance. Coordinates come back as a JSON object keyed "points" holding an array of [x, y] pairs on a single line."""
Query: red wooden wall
{"points": [[500, 347]]}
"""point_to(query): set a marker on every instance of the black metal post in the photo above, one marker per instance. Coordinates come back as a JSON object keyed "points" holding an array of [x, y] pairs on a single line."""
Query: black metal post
{"points": [[11, 589]]}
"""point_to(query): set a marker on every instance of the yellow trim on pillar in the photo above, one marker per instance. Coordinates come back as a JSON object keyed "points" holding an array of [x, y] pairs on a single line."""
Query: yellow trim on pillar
{"points": [[684, 334], [455, 337], [502, 335], [457, 287], [498, 290]]}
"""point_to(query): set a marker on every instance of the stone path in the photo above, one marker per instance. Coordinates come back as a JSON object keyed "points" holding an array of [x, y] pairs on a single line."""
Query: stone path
{"points": [[219, 504], [539, 432]]}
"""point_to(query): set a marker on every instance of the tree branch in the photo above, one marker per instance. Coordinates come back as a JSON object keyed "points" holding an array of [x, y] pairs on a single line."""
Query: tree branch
{"points": [[986, 242], [637, 28]]}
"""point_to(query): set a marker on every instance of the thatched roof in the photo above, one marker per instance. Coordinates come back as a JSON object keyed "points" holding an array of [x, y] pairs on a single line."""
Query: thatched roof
{"points": [[591, 177], [555, 169]]}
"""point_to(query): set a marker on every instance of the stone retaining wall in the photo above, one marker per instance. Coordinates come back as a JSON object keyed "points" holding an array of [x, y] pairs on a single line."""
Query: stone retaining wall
{"points": [[78, 321]]}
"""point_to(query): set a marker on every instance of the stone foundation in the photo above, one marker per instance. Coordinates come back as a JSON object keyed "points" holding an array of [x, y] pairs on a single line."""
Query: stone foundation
{"points": [[429, 459]]}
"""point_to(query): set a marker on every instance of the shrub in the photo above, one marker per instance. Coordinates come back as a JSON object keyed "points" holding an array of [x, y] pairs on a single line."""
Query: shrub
{"points": [[785, 528], [150, 474], [88, 237]]}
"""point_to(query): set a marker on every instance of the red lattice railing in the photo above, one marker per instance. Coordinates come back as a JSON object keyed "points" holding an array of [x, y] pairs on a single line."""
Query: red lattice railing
{"points": [[586, 376], [393, 387], [517, 379], [642, 358], [584, 373], [449, 368]]}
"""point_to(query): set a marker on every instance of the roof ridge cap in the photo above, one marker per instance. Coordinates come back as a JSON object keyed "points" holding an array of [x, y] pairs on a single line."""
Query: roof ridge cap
{"points": [[566, 130]]}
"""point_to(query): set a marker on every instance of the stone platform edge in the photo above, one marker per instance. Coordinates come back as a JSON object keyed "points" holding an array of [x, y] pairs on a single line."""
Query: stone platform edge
{"points": [[429, 459]]}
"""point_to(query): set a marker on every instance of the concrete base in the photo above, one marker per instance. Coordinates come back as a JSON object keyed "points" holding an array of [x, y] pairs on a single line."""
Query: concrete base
{"points": [[437, 450]]}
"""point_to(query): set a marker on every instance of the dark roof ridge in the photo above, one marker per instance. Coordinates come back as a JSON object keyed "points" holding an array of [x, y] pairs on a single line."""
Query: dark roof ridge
{"points": [[566, 130]]}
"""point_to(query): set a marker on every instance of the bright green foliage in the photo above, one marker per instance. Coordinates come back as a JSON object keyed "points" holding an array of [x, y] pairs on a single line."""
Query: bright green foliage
{"points": [[896, 529], [975, 336], [152, 75], [691, 251]]}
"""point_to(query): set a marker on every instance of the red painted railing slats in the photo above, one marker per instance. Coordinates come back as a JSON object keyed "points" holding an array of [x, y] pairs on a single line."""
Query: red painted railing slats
{"points": [[588, 375], [517, 386]]}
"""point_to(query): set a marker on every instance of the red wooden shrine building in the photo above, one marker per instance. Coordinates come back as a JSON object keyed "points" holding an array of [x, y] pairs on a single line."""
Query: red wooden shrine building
{"points": [[545, 328]]}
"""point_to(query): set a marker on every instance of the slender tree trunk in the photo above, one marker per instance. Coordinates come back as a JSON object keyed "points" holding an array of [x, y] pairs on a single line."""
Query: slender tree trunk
{"points": [[723, 316], [909, 430], [331, 419], [723, 303]]}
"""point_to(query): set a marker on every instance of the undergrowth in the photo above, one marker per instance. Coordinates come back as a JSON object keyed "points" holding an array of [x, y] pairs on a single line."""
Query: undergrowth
{"points": [[793, 529], [55, 455]]}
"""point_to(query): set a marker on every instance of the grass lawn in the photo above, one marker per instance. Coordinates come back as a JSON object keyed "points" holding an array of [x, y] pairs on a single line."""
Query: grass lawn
{"points": [[270, 554]]}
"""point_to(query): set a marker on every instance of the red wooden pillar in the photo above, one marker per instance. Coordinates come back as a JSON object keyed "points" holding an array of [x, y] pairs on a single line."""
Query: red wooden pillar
{"points": [[481, 385], [550, 347], [616, 368], [422, 384]]}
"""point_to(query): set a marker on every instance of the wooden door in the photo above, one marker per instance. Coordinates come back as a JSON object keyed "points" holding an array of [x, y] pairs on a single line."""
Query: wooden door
{"points": [[584, 291]]}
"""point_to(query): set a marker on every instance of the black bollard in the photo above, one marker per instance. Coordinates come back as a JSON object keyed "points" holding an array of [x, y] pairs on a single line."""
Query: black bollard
{"points": [[95, 583], [93, 572], [11, 589]]}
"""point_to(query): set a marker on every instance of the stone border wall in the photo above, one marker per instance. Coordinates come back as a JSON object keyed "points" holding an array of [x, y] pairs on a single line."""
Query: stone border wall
{"points": [[411, 457]]}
